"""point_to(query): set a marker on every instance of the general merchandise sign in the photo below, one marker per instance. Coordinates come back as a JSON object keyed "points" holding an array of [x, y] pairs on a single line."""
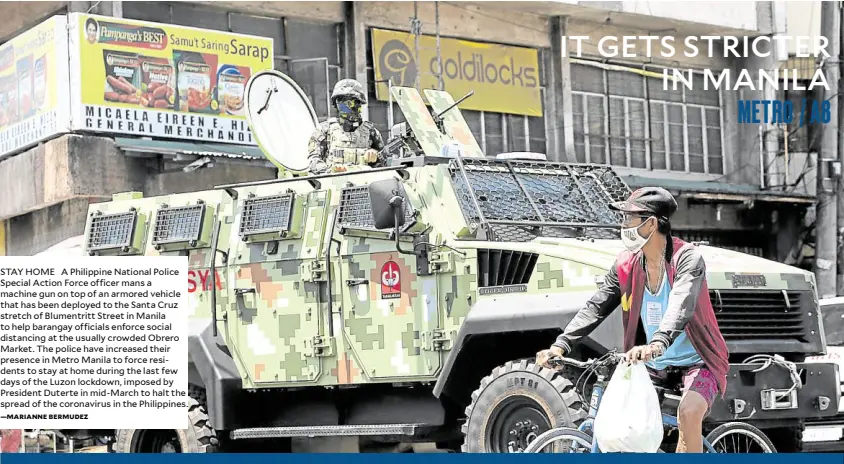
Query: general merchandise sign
{"points": [[34, 88], [162, 81]]}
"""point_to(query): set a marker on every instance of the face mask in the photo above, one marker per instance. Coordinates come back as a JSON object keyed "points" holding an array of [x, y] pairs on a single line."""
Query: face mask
{"points": [[348, 110], [631, 238]]}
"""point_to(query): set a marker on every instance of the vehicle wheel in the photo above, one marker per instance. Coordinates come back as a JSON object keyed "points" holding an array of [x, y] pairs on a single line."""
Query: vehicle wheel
{"points": [[738, 437], [561, 441], [515, 404], [199, 437]]}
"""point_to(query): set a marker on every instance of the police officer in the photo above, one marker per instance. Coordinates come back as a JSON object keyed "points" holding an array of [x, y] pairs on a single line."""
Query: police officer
{"points": [[346, 140]]}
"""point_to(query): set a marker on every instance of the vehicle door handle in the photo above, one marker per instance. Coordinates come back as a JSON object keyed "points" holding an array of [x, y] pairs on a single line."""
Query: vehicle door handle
{"points": [[245, 297]]}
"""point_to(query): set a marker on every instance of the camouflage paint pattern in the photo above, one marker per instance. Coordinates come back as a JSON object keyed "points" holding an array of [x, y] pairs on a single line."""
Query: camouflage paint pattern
{"points": [[454, 122], [418, 117], [381, 321], [349, 88]]}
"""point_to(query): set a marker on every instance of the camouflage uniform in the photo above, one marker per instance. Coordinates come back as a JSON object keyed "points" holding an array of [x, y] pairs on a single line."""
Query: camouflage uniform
{"points": [[344, 140]]}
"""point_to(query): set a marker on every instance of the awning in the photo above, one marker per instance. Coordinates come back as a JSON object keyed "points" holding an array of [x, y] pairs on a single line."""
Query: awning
{"points": [[719, 191], [191, 151]]}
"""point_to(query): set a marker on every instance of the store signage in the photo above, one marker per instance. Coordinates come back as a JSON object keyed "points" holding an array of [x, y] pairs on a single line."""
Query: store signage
{"points": [[162, 81], [505, 78], [34, 90], [2, 238]]}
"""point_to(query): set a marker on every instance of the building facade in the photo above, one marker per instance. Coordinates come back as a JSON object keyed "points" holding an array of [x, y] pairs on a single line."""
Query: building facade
{"points": [[736, 186]]}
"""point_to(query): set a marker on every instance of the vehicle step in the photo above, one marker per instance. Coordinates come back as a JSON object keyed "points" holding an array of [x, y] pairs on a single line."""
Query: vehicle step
{"points": [[324, 431]]}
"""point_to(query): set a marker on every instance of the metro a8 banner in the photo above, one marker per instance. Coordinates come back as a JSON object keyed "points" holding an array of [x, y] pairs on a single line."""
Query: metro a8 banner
{"points": [[162, 81]]}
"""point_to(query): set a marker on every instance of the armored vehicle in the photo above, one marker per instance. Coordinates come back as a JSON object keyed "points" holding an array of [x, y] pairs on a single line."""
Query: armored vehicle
{"points": [[826, 434], [406, 303]]}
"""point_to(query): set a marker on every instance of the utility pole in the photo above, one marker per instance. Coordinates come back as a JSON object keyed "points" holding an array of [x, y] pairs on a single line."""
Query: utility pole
{"points": [[416, 29], [440, 83], [826, 221]]}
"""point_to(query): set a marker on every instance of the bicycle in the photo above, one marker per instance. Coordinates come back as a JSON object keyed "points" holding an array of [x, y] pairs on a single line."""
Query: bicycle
{"points": [[582, 435]]}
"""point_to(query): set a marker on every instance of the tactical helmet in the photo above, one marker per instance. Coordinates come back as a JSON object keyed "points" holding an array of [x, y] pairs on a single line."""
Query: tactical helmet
{"points": [[348, 88]]}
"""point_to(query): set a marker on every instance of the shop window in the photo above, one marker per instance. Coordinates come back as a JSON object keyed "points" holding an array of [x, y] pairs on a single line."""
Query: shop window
{"points": [[742, 241], [313, 40], [493, 133], [193, 15], [626, 119], [158, 12], [260, 26], [805, 138], [516, 133], [473, 120]]}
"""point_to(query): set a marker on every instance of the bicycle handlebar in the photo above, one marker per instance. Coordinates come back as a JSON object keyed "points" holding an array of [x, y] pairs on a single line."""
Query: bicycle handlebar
{"points": [[559, 361]]}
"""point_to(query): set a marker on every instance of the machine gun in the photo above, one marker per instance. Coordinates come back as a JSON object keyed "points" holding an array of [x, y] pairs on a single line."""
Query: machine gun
{"points": [[438, 117], [403, 139]]}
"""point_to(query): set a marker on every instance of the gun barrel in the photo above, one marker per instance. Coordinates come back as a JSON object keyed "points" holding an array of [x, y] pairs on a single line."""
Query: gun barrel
{"points": [[439, 115]]}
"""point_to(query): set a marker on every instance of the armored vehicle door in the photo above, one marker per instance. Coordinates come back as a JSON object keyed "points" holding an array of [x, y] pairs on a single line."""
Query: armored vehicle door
{"points": [[390, 314], [278, 311]]}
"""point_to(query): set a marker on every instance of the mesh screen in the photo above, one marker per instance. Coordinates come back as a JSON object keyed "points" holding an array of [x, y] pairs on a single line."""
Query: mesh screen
{"points": [[111, 231], [539, 192], [356, 210], [266, 214], [177, 224]]}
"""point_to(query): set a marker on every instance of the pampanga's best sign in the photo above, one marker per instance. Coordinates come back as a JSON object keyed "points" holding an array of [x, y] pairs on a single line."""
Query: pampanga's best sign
{"points": [[160, 80]]}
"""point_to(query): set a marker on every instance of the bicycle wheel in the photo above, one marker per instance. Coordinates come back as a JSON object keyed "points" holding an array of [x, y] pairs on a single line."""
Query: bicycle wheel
{"points": [[738, 437], [560, 436]]}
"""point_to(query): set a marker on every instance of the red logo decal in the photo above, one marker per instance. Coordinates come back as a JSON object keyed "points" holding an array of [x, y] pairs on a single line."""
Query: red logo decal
{"points": [[390, 280]]}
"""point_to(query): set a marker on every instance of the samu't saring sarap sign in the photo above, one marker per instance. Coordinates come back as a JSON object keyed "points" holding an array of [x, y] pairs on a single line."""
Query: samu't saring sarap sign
{"points": [[159, 80]]}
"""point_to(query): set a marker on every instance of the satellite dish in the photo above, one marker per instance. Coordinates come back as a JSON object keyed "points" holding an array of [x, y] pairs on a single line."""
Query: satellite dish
{"points": [[281, 118]]}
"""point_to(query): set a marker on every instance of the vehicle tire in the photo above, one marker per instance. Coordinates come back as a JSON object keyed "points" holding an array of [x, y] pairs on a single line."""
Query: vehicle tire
{"points": [[199, 437], [556, 438], [753, 439], [516, 403]]}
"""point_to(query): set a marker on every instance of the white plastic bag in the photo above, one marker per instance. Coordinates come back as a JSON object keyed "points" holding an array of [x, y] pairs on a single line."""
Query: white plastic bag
{"points": [[629, 419]]}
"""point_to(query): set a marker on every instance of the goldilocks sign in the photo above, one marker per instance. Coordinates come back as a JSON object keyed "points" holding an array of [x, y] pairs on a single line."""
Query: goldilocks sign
{"points": [[160, 80], [505, 78]]}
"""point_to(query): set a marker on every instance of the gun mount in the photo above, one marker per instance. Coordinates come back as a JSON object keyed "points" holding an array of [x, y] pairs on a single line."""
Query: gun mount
{"points": [[438, 116]]}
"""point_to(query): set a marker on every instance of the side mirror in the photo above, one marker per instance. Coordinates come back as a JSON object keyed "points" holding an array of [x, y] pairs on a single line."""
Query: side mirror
{"points": [[386, 199]]}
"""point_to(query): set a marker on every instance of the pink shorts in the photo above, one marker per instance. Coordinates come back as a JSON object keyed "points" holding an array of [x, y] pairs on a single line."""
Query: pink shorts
{"points": [[697, 378]]}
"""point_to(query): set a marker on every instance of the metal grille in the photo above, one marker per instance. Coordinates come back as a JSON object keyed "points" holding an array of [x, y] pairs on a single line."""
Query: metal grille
{"points": [[504, 267], [266, 214], [542, 193], [749, 314], [178, 224], [110, 231], [356, 210]]}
